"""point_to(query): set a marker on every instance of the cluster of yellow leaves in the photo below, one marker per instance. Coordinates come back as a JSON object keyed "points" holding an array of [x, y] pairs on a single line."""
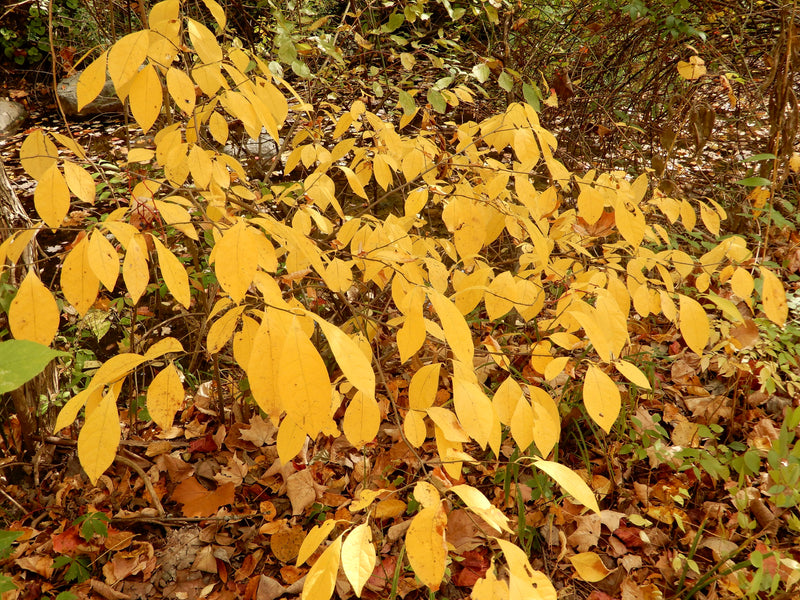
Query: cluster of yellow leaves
{"points": [[482, 184]]}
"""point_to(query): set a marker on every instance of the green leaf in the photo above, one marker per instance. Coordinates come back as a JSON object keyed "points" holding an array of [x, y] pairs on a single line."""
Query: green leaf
{"points": [[396, 20], [532, 96], [754, 181], [406, 102], [505, 81], [758, 157], [481, 72], [437, 101], [21, 361]]}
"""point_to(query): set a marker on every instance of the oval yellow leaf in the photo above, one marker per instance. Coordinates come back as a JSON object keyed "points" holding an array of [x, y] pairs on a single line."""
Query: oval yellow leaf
{"points": [[546, 420], [33, 314], [601, 398], [414, 428], [456, 330], [426, 546], [632, 373], [321, 577], [694, 324], [362, 419], [103, 259], [773, 298], [124, 59], [78, 281], [79, 182], [313, 539], [146, 97], [174, 274], [589, 566], [165, 396], [571, 482], [135, 273], [37, 154], [51, 197], [358, 557], [423, 387], [91, 81], [181, 88], [99, 438]]}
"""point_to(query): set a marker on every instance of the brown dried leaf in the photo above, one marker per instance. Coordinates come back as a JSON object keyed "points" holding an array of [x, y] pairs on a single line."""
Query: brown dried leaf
{"points": [[198, 501]]}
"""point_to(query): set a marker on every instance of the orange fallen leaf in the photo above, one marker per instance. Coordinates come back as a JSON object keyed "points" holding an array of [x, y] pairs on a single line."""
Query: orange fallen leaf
{"points": [[198, 501]]}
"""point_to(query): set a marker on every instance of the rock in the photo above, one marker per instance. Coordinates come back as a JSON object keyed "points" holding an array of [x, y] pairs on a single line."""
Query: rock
{"points": [[106, 102], [12, 114], [264, 148]]}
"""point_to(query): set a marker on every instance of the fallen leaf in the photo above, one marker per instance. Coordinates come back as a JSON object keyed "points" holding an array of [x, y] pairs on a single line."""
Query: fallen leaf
{"points": [[198, 501]]}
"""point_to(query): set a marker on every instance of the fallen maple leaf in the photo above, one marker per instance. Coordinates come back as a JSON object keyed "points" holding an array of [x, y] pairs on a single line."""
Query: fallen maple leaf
{"points": [[198, 501]]}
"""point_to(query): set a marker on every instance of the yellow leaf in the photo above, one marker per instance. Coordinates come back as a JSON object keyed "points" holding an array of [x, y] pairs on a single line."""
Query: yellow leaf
{"points": [[115, 368], [414, 428], [236, 260], [353, 182], [524, 581], [218, 127], [423, 387], [359, 557], [69, 412], [522, 425], [632, 374], [473, 407], [37, 154], [362, 419], [480, 505], [181, 87], [33, 314], [134, 268], [313, 539], [354, 364], [305, 388], [177, 216], [710, 219], [742, 283], [448, 423], [426, 546], [555, 367], [338, 276], [125, 58], [456, 330], [589, 566], [217, 12], [290, 440], [694, 69], [365, 499], [489, 587], [99, 438], [162, 347], [204, 42], [601, 398], [79, 181], [262, 369], [591, 203], [773, 298], [321, 577], [78, 281], [546, 420], [505, 400], [411, 335], [174, 274], [694, 324], [165, 396], [51, 197], [145, 97], [426, 494], [91, 81], [222, 329], [570, 481]]}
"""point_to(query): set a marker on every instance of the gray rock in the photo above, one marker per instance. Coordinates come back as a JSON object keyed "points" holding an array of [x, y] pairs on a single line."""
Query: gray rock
{"points": [[265, 147], [106, 102], [12, 114]]}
